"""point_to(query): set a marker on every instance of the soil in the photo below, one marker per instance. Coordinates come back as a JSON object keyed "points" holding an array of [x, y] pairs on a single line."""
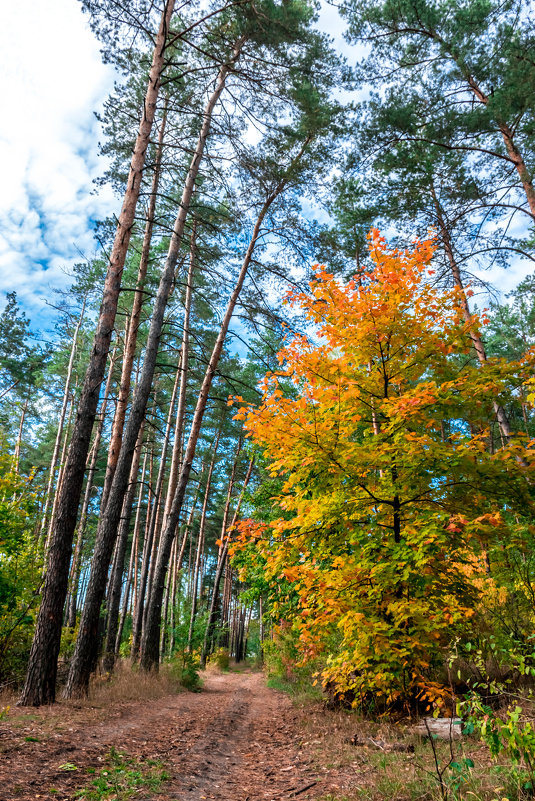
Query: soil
{"points": [[236, 740]]}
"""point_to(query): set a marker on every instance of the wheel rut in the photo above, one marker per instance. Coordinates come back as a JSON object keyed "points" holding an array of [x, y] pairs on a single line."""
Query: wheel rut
{"points": [[235, 741]]}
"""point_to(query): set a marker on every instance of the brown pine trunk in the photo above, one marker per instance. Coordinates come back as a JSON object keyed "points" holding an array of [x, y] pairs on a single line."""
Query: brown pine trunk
{"points": [[200, 545], [116, 579], [40, 685], [150, 646], [133, 328], [80, 670], [180, 558], [132, 567], [154, 526], [77, 557], [506, 131], [477, 342], [61, 422], [184, 362], [137, 621], [222, 556]]}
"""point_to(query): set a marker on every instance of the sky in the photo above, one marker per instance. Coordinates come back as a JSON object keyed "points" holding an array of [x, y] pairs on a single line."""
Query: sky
{"points": [[53, 81]]}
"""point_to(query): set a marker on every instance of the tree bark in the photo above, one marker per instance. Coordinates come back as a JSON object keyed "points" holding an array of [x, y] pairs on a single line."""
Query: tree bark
{"points": [[184, 363], [150, 645], [116, 579], [77, 557], [78, 680], [200, 544], [133, 328], [475, 336], [155, 517], [225, 542], [16, 457], [40, 685], [132, 567], [63, 412]]}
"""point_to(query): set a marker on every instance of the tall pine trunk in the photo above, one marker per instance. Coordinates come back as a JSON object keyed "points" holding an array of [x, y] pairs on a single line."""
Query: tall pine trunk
{"points": [[40, 684], [151, 639], [200, 545], [133, 328], [77, 556], [116, 578], [477, 342], [222, 558], [87, 640]]}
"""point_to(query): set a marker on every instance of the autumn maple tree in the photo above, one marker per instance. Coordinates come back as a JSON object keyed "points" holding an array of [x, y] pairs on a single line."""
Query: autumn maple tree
{"points": [[379, 428]]}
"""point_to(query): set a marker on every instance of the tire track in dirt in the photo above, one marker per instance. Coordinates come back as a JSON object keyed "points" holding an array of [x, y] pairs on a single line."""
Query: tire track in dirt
{"points": [[235, 740]]}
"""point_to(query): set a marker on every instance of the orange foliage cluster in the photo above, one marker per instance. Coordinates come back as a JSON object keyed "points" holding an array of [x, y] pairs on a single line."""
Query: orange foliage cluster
{"points": [[378, 425]]}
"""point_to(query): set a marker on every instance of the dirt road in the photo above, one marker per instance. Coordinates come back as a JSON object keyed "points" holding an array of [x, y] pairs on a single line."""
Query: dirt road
{"points": [[235, 741]]}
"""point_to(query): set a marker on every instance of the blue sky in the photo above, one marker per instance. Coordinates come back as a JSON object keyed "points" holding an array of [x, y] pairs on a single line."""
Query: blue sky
{"points": [[52, 82]]}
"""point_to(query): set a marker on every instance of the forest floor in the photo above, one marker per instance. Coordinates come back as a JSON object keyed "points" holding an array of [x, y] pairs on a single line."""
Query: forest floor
{"points": [[237, 740]]}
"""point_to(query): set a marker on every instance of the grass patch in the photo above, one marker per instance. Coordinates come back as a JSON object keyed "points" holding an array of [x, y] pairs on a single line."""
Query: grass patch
{"points": [[122, 778], [368, 774], [301, 692]]}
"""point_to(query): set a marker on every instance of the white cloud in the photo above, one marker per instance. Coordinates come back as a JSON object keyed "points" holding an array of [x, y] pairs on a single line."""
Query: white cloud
{"points": [[53, 80]]}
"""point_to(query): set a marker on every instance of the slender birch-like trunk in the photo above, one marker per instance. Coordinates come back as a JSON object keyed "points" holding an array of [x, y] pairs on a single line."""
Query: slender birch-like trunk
{"points": [[16, 456]]}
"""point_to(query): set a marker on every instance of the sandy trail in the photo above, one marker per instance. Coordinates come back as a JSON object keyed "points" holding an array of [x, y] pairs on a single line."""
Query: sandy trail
{"points": [[235, 741]]}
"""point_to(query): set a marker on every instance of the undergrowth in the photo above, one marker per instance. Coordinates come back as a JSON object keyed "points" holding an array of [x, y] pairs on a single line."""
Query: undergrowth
{"points": [[122, 778]]}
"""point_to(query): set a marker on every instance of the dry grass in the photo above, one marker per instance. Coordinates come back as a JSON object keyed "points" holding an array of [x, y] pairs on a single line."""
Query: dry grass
{"points": [[130, 684], [127, 685], [357, 773]]}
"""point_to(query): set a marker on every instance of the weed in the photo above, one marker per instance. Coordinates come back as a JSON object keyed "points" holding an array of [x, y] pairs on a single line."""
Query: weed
{"points": [[123, 777], [220, 660], [302, 692]]}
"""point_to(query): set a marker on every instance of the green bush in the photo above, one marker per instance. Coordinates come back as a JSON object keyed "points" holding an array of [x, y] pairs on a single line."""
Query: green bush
{"points": [[221, 659]]}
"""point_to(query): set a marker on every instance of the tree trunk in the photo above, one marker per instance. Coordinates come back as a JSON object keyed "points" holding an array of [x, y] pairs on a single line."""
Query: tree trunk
{"points": [[133, 328], [78, 680], [116, 579], [475, 336], [222, 557], [184, 362], [61, 464], [59, 433], [155, 517], [16, 457], [150, 646], [40, 685], [132, 567], [200, 545], [77, 557], [137, 621]]}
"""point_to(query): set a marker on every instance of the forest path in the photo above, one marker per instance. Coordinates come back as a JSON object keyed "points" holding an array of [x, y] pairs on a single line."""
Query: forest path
{"points": [[236, 740]]}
